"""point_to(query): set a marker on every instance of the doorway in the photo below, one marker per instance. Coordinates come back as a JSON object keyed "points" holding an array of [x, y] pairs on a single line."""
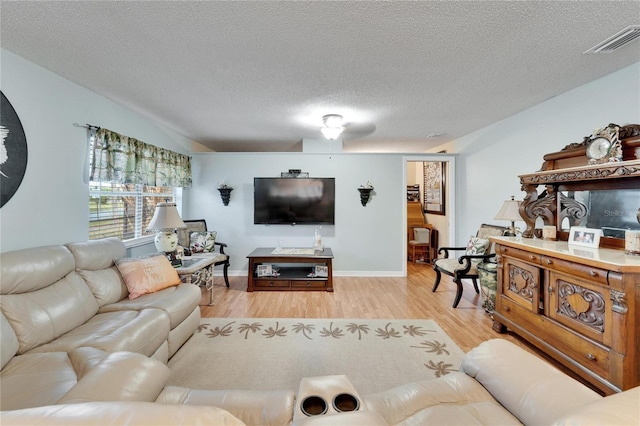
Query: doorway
{"points": [[444, 223]]}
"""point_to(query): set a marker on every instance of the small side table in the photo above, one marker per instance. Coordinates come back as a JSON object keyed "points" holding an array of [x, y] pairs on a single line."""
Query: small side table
{"points": [[198, 271]]}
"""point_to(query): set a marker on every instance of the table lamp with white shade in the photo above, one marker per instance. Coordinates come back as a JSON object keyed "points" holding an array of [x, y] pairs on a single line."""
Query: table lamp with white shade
{"points": [[166, 220], [510, 211]]}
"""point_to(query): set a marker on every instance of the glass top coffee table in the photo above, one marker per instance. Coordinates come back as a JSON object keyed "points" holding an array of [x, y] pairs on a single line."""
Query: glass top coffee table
{"points": [[198, 270]]}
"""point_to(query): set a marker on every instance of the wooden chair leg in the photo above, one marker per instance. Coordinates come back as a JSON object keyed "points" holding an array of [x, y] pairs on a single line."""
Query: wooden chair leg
{"points": [[225, 272], [437, 283], [475, 285], [458, 292]]}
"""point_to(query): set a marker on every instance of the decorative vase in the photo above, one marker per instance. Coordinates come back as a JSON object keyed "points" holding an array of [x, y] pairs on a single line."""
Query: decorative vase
{"points": [[317, 239], [166, 241]]}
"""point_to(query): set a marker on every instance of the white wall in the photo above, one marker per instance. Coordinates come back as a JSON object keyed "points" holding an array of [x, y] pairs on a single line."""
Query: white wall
{"points": [[491, 159], [365, 240], [51, 205]]}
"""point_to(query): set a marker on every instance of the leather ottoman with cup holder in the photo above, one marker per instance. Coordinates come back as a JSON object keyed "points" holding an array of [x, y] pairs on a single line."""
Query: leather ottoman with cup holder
{"points": [[322, 395]]}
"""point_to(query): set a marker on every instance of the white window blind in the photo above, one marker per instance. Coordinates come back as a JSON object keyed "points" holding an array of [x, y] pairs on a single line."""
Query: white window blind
{"points": [[123, 210]]}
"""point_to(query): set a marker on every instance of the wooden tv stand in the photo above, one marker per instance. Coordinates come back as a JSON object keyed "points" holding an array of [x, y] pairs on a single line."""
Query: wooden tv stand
{"points": [[291, 272]]}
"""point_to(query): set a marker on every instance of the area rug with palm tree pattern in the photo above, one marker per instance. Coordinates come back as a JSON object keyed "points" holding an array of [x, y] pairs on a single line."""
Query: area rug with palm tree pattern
{"points": [[276, 353]]}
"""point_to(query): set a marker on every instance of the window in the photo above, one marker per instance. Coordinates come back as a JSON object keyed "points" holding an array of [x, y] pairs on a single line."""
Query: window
{"points": [[127, 179], [123, 210]]}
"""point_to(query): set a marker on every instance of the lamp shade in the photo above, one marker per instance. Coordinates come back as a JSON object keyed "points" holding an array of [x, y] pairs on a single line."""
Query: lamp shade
{"points": [[509, 211], [165, 218]]}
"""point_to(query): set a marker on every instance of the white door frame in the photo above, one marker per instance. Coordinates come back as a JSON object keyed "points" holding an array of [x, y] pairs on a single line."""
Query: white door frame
{"points": [[451, 197]]}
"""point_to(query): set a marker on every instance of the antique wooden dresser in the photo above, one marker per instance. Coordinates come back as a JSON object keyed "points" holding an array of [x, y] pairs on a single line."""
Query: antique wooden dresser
{"points": [[578, 304]]}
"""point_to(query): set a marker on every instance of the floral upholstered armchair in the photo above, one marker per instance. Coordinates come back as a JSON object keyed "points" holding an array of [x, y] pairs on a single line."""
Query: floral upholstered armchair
{"points": [[477, 250], [202, 242]]}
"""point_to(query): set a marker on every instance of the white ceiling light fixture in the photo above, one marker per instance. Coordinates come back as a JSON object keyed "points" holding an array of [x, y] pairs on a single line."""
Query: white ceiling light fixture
{"points": [[332, 126]]}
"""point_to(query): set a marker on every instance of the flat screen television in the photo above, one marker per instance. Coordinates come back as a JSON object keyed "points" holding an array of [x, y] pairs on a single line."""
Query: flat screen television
{"points": [[290, 201]]}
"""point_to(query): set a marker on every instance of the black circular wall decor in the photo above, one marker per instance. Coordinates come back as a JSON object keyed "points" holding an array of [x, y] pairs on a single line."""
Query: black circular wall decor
{"points": [[13, 151]]}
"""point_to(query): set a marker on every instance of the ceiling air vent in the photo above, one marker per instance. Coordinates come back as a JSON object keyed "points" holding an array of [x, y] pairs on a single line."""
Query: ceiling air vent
{"points": [[617, 41]]}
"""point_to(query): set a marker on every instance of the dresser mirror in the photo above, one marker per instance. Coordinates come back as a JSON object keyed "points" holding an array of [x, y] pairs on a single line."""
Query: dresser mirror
{"points": [[612, 211], [571, 189]]}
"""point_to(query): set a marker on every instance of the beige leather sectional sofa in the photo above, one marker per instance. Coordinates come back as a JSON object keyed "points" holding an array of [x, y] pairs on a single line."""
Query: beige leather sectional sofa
{"points": [[71, 335], [76, 350], [65, 309]]}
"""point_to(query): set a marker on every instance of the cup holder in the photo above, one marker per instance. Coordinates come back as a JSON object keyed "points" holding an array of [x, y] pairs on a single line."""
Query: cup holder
{"points": [[313, 406], [345, 402]]}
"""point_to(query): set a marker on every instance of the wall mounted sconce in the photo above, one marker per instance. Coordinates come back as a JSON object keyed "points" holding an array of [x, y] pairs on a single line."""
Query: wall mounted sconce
{"points": [[365, 193], [225, 194]]}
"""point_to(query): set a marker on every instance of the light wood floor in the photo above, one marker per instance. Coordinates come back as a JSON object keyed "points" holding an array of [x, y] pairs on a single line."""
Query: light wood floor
{"points": [[370, 297], [366, 297]]}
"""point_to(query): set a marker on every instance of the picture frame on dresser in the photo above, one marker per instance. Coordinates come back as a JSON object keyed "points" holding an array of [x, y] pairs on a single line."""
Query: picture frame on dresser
{"points": [[584, 237]]}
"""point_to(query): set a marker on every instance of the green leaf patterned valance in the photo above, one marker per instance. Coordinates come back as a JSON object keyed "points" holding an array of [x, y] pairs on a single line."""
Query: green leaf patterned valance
{"points": [[121, 159]]}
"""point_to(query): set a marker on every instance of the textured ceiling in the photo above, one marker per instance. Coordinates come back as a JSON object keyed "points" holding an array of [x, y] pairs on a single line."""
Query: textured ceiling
{"points": [[258, 76]]}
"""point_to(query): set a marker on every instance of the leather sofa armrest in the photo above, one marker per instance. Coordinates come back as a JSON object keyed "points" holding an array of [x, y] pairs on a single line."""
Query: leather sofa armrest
{"points": [[118, 413], [269, 408], [530, 388], [121, 376], [618, 409]]}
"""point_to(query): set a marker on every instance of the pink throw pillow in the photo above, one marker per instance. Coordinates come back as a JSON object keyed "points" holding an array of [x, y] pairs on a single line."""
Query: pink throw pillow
{"points": [[147, 275]]}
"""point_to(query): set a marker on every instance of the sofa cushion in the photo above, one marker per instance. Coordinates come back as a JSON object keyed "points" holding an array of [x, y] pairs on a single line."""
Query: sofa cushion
{"points": [[120, 376], [618, 409], [183, 332], [106, 285], [496, 362], [95, 262], [36, 379], [147, 275], [32, 269], [454, 399], [10, 345], [273, 407], [451, 265], [133, 331], [177, 301], [42, 315], [85, 358], [119, 413], [95, 255]]}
